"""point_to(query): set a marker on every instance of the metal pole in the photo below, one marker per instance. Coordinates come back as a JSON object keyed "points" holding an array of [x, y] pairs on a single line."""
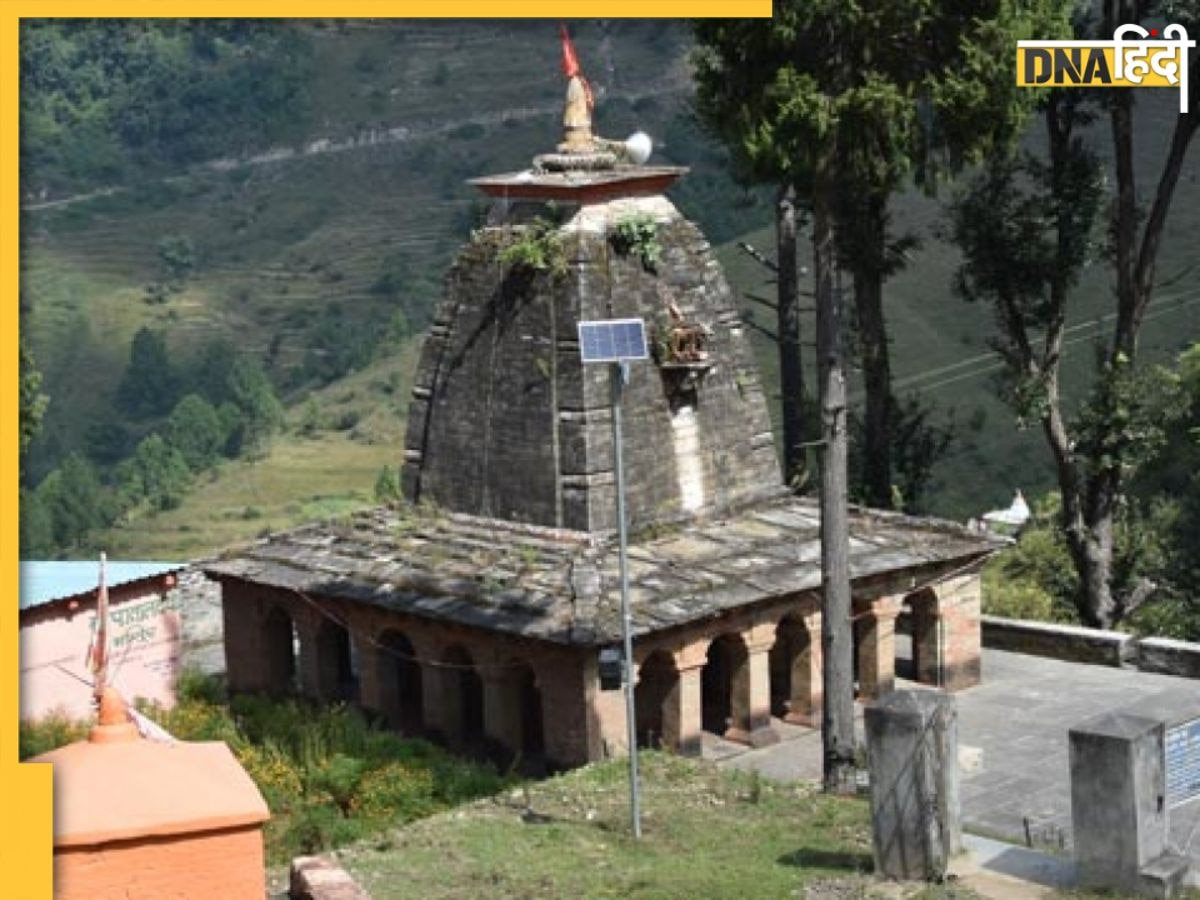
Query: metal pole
{"points": [[618, 372]]}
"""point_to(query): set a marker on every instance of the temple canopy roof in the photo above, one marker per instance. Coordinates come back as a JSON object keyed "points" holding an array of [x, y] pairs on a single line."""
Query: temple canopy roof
{"points": [[562, 586]]}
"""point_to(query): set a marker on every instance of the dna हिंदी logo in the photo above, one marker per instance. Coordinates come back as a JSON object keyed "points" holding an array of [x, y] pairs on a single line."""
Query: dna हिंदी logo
{"points": [[1134, 57]]}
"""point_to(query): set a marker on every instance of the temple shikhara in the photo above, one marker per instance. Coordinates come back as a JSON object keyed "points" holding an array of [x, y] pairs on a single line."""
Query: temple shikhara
{"points": [[475, 613]]}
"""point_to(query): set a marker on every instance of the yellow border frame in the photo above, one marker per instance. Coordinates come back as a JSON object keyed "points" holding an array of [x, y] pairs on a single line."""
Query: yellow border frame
{"points": [[26, 792]]}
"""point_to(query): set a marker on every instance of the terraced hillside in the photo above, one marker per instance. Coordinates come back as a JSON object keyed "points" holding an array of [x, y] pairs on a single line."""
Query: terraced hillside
{"points": [[940, 344], [324, 256]]}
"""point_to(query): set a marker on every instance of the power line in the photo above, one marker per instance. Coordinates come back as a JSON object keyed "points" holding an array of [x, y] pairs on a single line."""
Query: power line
{"points": [[992, 364]]}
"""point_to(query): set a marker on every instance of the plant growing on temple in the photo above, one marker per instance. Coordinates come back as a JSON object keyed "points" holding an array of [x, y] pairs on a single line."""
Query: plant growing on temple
{"points": [[537, 247], [1026, 228], [637, 234]]}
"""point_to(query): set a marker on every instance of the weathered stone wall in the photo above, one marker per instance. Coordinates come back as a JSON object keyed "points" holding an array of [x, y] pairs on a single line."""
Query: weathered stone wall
{"points": [[564, 676], [581, 723], [507, 422], [1067, 642]]}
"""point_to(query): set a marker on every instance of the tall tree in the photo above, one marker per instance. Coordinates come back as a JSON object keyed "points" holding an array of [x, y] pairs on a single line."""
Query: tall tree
{"points": [[156, 472], [1026, 230], [773, 166], [908, 87], [261, 412], [194, 429], [32, 401], [149, 385], [843, 100]]}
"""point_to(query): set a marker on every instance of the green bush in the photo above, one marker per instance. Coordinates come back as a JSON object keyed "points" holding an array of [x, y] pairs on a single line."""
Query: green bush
{"points": [[316, 827], [193, 684], [275, 773], [328, 773], [402, 790], [338, 778], [42, 735]]}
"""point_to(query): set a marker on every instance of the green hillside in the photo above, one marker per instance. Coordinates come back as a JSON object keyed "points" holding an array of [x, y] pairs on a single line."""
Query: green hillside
{"points": [[322, 257], [318, 247], [940, 348]]}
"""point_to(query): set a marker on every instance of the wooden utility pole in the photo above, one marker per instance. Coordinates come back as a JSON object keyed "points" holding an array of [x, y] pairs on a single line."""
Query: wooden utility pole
{"points": [[791, 372], [837, 638]]}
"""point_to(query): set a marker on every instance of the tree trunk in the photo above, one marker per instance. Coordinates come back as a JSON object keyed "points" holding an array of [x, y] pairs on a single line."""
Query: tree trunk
{"points": [[837, 634], [876, 364], [791, 373]]}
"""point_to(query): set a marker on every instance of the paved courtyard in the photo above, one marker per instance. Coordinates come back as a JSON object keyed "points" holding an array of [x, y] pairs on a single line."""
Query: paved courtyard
{"points": [[1013, 744]]}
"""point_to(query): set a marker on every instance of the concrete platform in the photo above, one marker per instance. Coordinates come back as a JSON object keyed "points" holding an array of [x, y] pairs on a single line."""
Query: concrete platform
{"points": [[1013, 745]]}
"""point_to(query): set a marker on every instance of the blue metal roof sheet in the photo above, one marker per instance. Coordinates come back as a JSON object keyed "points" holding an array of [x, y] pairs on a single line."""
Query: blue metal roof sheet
{"points": [[44, 581]]}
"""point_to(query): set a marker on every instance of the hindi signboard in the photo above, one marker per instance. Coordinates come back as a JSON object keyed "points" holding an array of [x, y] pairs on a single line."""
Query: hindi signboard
{"points": [[1183, 762]]}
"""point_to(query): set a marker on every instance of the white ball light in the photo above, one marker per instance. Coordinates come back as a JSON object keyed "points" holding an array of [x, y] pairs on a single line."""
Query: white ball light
{"points": [[639, 146]]}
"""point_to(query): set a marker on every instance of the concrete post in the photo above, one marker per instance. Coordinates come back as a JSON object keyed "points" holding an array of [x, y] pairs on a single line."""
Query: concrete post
{"points": [[1118, 808], [912, 743]]}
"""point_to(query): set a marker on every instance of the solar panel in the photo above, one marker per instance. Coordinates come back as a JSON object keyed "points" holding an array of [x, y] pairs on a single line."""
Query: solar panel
{"points": [[611, 340]]}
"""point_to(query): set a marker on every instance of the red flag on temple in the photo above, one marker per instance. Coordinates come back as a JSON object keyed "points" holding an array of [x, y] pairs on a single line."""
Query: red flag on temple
{"points": [[570, 62], [571, 67]]}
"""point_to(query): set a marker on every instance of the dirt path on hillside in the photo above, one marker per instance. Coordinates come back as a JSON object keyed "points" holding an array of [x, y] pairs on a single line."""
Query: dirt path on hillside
{"points": [[671, 84]]}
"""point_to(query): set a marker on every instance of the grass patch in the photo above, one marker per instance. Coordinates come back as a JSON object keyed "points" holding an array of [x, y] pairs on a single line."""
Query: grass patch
{"points": [[246, 498], [707, 833]]}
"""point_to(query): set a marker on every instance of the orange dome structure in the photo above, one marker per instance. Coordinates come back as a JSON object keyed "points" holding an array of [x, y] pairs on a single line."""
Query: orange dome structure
{"points": [[136, 818]]}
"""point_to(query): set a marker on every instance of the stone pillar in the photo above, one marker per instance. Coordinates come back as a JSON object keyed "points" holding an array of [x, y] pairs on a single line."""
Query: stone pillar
{"points": [[372, 693], [690, 662], [912, 744], [672, 718], [959, 601], [432, 706], [877, 648], [947, 633], [1118, 811], [570, 685], [242, 615], [502, 713], [804, 707], [308, 624], [759, 731]]}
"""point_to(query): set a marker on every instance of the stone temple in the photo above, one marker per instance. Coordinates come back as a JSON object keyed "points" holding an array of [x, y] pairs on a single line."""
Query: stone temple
{"points": [[475, 612]]}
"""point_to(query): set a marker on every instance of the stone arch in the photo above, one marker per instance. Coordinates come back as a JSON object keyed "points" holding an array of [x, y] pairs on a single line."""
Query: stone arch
{"points": [[279, 652], [462, 700], [337, 665], [792, 668], [533, 722], [529, 732], [725, 687], [656, 697], [401, 685], [925, 636]]}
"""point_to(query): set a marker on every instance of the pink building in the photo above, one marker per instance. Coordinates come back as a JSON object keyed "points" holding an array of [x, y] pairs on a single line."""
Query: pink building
{"points": [[57, 616]]}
